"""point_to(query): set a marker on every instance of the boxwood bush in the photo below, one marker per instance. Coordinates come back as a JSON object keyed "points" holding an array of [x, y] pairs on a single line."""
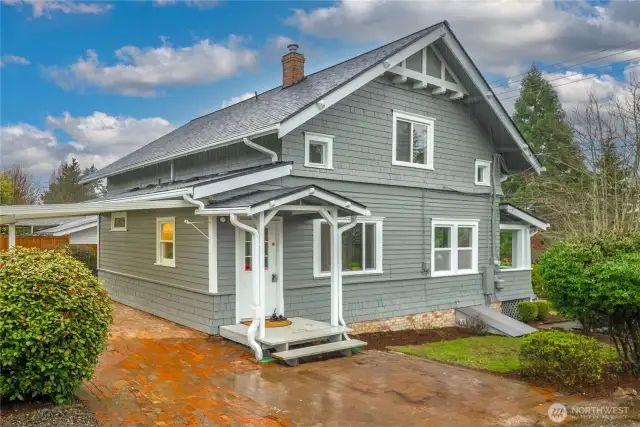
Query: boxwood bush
{"points": [[54, 318], [543, 309], [527, 311], [563, 358]]}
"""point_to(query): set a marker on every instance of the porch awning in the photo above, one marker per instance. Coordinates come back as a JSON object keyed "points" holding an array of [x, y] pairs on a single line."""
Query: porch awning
{"points": [[308, 198], [519, 214]]}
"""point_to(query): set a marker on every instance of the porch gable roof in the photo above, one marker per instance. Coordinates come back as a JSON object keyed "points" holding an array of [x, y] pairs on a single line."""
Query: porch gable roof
{"points": [[255, 202], [521, 215]]}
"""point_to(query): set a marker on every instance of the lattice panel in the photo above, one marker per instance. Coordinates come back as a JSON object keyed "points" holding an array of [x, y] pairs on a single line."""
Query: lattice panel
{"points": [[510, 308]]}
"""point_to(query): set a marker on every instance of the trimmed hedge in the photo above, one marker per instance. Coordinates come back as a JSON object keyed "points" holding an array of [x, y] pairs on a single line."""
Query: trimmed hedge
{"points": [[527, 311], [54, 318], [543, 309], [563, 358]]}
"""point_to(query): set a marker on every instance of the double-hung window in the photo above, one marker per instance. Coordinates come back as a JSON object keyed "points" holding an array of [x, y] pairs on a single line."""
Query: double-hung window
{"points": [[454, 247], [515, 247], [412, 140], [166, 241], [361, 247], [318, 150]]}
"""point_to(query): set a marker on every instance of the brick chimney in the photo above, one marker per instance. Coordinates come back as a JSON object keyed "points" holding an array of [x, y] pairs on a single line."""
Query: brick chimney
{"points": [[292, 66]]}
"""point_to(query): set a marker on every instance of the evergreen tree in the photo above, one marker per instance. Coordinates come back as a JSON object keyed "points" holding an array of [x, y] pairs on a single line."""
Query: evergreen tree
{"points": [[65, 186], [541, 120]]}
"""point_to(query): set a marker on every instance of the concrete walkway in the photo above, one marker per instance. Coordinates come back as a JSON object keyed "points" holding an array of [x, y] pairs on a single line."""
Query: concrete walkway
{"points": [[158, 373]]}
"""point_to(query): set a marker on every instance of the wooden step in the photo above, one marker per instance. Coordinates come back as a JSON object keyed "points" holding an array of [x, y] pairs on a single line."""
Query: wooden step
{"points": [[291, 356]]}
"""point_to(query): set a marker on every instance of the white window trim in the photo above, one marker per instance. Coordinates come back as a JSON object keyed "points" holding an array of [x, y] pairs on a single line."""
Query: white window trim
{"points": [[524, 255], [115, 215], [487, 175], [159, 260], [454, 224], [430, 122], [328, 154], [317, 267]]}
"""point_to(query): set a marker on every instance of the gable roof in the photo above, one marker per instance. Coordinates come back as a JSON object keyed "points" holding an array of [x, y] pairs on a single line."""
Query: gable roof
{"points": [[282, 109], [69, 227], [522, 215]]}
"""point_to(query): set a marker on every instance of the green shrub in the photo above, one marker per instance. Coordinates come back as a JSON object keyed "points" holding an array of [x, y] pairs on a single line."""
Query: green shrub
{"points": [[563, 358], [597, 281], [543, 309], [54, 317], [536, 281], [527, 311], [85, 256]]}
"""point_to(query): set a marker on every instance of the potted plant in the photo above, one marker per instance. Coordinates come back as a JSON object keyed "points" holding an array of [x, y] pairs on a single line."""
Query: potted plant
{"points": [[355, 266]]}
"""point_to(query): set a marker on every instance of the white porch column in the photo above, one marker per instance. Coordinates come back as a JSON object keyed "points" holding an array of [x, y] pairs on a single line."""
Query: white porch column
{"points": [[258, 265], [12, 235], [212, 245], [341, 230], [336, 263]]}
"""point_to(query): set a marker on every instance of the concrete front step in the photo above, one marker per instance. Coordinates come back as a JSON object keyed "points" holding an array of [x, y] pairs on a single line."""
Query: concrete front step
{"points": [[291, 357]]}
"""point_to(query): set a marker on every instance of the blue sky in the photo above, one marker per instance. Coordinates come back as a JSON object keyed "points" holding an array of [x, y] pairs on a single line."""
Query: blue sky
{"points": [[97, 80]]}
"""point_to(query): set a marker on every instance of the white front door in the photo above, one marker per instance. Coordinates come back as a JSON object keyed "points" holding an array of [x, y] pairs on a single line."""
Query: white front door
{"points": [[244, 268]]}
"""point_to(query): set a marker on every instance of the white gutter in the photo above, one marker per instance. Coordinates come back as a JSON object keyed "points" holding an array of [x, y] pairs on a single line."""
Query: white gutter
{"points": [[168, 194], [255, 323], [250, 143], [227, 141], [191, 200]]}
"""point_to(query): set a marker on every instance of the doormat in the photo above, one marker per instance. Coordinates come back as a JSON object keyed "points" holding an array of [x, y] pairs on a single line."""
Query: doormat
{"points": [[271, 323]]}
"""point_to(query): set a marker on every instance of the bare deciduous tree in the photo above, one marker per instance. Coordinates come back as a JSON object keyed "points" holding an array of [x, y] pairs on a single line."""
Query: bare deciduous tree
{"points": [[19, 187]]}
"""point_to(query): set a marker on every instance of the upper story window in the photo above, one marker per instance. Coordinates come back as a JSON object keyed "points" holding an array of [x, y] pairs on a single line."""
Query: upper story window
{"points": [[454, 247], [361, 247], [119, 221], [483, 172], [166, 241], [318, 150], [412, 140], [515, 247]]}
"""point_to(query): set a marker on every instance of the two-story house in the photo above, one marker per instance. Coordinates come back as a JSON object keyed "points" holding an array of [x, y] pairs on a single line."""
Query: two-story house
{"points": [[364, 196]]}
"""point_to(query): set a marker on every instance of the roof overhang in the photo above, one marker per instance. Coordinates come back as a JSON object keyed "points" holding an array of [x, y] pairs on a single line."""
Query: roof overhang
{"points": [[71, 226], [70, 230], [524, 216], [9, 214], [284, 202], [274, 128]]}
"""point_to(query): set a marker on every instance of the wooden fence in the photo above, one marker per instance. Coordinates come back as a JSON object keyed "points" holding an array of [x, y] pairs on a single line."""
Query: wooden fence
{"points": [[42, 242]]}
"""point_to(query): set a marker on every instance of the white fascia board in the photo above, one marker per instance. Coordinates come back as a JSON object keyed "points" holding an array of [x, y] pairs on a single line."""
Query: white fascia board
{"points": [[206, 190], [228, 141], [490, 98], [66, 231], [355, 84], [224, 211], [161, 195], [522, 215], [310, 192], [92, 208]]}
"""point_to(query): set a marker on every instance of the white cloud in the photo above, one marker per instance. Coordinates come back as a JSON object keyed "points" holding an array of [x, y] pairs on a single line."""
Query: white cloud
{"points": [[282, 42], [13, 59], [141, 71], [97, 139], [40, 8], [202, 4], [236, 99], [501, 36]]}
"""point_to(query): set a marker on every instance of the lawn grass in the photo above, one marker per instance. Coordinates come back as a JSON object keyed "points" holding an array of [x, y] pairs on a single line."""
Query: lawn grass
{"points": [[492, 353]]}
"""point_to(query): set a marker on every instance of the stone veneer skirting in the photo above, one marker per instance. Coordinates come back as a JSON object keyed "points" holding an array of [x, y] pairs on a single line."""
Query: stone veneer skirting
{"points": [[432, 319], [496, 306]]}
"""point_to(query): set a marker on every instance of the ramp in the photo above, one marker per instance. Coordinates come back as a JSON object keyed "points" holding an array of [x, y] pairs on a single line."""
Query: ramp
{"points": [[498, 323]]}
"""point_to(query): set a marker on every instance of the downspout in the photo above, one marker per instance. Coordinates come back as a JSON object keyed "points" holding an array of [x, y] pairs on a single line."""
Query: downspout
{"points": [[341, 230], [255, 323], [250, 143], [198, 203]]}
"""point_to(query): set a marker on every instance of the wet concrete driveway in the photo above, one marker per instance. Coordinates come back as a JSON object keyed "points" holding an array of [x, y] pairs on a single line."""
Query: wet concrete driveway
{"points": [[157, 373]]}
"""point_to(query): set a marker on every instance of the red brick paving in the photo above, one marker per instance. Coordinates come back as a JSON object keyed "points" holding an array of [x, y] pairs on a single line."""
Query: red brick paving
{"points": [[156, 373]]}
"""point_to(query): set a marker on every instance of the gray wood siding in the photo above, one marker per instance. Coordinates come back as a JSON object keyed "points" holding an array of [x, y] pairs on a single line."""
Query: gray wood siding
{"points": [[517, 284], [362, 148], [134, 251], [223, 159]]}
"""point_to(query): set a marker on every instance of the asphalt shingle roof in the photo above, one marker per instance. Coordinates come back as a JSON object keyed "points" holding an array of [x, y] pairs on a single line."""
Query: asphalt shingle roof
{"points": [[268, 108]]}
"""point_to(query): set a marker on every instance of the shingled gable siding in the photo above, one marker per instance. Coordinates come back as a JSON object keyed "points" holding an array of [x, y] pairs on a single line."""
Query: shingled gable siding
{"points": [[179, 294], [362, 148], [223, 159]]}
